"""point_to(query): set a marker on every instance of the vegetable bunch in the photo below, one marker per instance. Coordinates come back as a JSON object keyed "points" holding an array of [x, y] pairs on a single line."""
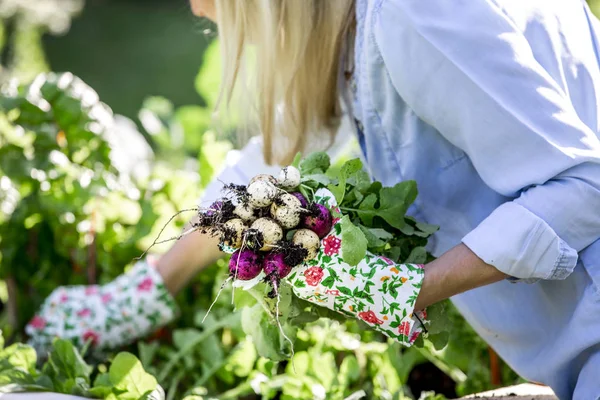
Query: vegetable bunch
{"points": [[274, 224], [268, 225]]}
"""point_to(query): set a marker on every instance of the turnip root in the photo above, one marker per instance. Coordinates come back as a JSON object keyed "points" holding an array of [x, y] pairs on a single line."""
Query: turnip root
{"points": [[289, 178], [245, 265], [245, 212], [268, 233], [318, 220], [308, 240], [261, 194], [263, 177], [233, 233], [287, 209]]}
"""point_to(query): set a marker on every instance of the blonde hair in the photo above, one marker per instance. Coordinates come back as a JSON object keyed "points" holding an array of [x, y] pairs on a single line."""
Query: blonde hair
{"points": [[297, 48]]}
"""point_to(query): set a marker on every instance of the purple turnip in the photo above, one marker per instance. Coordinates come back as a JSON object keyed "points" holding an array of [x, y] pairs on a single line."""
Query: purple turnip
{"points": [[245, 265], [302, 199], [274, 265], [318, 220]]}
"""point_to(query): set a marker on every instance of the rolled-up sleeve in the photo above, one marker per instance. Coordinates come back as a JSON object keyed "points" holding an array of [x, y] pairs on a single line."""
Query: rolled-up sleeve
{"points": [[464, 68]]}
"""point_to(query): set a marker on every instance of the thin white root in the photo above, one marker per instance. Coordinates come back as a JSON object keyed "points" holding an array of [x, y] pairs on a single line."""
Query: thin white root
{"points": [[216, 298], [281, 327], [237, 264], [163, 229]]}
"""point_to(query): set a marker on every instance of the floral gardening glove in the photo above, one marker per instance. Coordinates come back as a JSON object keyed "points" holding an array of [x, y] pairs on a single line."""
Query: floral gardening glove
{"points": [[108, 316], [377, 290]]}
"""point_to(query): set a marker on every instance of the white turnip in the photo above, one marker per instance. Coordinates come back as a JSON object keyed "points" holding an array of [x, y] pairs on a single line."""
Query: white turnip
{"points": [[261, 194], [289, 178], [287, 210], [308, 240], [233, 233], [268, 233]]}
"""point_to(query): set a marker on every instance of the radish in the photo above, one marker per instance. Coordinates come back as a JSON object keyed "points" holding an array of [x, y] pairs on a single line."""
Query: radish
{"points": [[233, 232], [318, 220], [308, 240], [245, 265], [263, 177], [245, 212], [274, 265], [268, 233], [302, 199], [289, 178], [261, 194], [286, 209]]}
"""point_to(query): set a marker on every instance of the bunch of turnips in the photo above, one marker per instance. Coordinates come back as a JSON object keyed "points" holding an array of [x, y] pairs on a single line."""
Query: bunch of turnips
{"points": [[268, 225], [332, 237]]}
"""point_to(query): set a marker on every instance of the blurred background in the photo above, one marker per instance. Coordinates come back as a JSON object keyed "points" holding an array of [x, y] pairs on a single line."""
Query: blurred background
{"points": [[96, 156]]}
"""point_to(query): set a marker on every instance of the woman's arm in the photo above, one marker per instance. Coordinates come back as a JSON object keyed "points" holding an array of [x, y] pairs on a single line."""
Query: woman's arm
{"points": [[186, 258], [455, 272]]}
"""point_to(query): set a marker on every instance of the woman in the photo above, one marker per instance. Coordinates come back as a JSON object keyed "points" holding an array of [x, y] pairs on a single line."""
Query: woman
{"points": [[492, 107]]}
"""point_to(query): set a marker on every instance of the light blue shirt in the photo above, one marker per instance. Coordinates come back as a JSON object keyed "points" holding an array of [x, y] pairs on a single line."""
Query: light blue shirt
{"points": [[492, 107]]}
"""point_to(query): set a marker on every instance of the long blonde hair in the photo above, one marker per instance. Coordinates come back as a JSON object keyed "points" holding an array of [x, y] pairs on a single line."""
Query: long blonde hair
{"points": [[297, 47]]}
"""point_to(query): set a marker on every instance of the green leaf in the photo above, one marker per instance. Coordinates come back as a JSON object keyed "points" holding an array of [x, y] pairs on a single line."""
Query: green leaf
{"points": [[18, 356], [328, 282], [393, 204], [418, 255], [315, 163], [66, 367], [427, 228], [349, 168], [349, 370], [354, 243], [266, 334], [127, 374]]}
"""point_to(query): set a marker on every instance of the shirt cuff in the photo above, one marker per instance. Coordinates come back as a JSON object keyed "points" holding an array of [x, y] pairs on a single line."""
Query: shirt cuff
{"points": [[522, 245]]}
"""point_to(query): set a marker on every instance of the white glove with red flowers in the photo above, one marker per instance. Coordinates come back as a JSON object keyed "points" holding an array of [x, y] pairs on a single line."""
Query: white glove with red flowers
{"points": [[107, 316]]}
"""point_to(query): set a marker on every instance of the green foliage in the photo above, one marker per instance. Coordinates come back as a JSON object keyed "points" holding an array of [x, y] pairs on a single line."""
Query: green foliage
{"points": [[66, 372]]}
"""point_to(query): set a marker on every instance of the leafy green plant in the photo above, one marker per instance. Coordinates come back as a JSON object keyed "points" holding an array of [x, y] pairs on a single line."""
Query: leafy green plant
{"points": [[66, 372]]}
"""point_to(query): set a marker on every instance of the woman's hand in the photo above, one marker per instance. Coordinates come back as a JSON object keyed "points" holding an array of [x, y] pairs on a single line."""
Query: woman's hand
{"points": [[455, 272], [106, 316]]}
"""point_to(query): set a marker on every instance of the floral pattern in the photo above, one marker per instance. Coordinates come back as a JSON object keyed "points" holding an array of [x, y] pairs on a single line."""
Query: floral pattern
{"points": [[135, 304], [377, 290]]}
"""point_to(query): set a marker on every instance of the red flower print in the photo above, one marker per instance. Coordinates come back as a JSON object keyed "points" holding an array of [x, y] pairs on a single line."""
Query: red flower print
{"points": [[106, 298], [92, 336], [332, 245], [90, 290], [370, 317], [387, 261], [84, 313], [145, 285], [336, 220], [37, 322], [313, 276], [404, 328], [64, 298], [420, 265], [334, 292], [414, 336]]}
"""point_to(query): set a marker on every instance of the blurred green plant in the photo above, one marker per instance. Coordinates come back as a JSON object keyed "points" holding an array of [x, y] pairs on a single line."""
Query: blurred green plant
{"points": [[22, 25]]}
